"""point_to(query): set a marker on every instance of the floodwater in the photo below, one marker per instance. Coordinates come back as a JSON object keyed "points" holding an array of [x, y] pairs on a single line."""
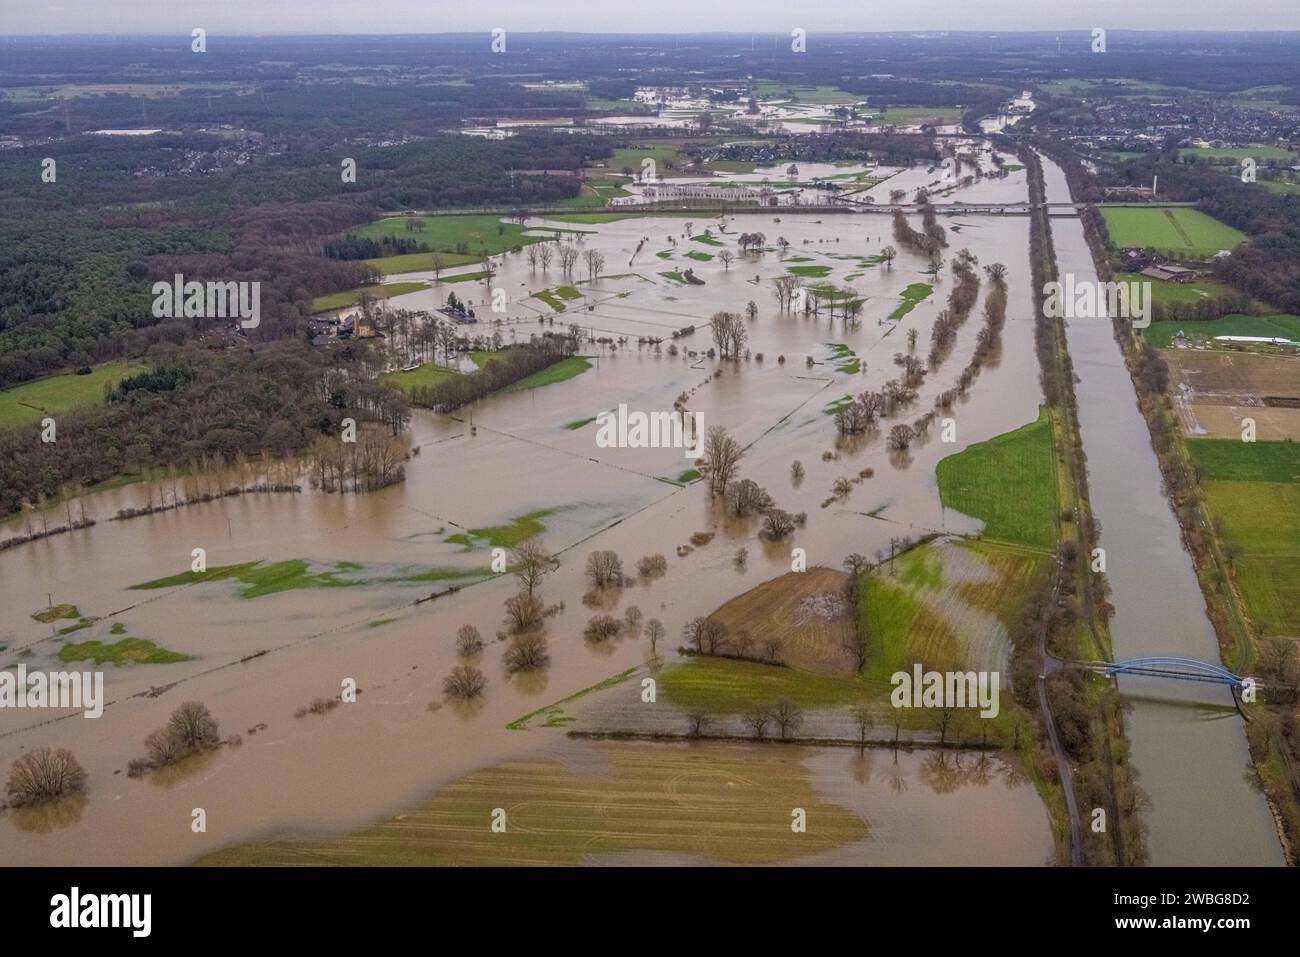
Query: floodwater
{"points": [[389, 751], [1188, 743]]}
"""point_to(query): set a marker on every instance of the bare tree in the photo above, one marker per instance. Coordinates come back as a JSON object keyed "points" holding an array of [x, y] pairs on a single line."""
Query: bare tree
{"points": [[604, 569], [721, 459], [757, 722], [42, 775], [856, 564], [524, 612], [544, 253], [864, 717], [788, 717], [727, 257], [654, 629], [468, 641], [532, 562], [708, 635], [464, 683], [527, 652], [777, 523], [697, 722]]}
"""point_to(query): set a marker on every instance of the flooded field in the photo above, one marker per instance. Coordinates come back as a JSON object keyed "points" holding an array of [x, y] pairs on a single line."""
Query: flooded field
{"points": [[349, 613]]}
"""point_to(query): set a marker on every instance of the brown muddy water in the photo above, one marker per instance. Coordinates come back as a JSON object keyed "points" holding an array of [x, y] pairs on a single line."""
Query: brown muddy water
{"points": [[389, 752], [1188, 742]]}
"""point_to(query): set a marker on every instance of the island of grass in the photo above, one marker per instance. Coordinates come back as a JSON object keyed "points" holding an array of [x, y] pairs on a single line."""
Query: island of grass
{"points": [[707, 240], [1179, 231], [341, 300], [1009, 482], [811, 272], [913, 295], [259, 579], [30, 402], [554, 297], [579, 423], [505, 536], [56, 613], [699, 256], [127, 651], [1254, 489], [844, 358]]}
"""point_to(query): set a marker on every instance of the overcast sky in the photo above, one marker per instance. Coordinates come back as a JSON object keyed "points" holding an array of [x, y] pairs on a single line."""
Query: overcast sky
{"points": [[660, 16]]}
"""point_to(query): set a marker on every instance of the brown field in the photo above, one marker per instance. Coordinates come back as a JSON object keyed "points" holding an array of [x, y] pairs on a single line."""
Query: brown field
{"points": [[798, 609], [715, 803], [1213, 391]]}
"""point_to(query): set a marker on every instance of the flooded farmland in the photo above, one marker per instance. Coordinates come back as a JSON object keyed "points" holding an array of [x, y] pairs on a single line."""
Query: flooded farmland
{"points": [[255, 658]]}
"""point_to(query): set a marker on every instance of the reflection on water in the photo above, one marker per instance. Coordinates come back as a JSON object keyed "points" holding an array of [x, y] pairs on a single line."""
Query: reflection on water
{"points": [[50, 816]]}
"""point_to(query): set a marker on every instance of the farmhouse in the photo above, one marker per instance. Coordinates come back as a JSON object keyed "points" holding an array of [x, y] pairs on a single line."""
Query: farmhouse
{"points": [[1170, 273]]}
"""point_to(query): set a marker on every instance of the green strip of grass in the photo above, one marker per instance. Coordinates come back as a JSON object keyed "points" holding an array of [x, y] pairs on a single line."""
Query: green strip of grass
{"points": [[340, 300], [128, 651], [1009, 482], [913, 295], [261, 579]]}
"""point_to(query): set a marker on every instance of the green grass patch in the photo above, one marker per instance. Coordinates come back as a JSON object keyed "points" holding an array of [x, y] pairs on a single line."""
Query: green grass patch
{"points": [[1009, 482], [1258, 153], [1162, 334], [56, 613], [1180, 231], [505, 536], [723, 685], [32, 401], [913, 295], [419, 262], [426, 376], [341, 300], [1234, 460], [259, 579], [128, 651], [579, 423], [699, 256], [557, 372], [810, 272], [707, 240]]}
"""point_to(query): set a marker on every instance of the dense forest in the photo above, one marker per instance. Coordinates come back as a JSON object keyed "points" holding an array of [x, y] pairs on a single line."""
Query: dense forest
{"points": [[197, 409]]}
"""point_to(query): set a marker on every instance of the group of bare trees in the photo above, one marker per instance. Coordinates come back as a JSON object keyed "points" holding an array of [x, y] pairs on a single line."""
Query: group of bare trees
{"points": [[190, 730], [730, 333], [987, 341], [373, 461], [751, 242]]}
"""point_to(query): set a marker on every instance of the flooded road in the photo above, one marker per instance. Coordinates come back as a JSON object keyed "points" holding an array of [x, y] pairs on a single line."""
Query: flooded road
{"points": [[387, 753], [1188, 742]]}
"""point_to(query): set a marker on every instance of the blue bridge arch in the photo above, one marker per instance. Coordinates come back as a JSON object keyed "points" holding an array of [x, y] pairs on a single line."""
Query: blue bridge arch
{"points": [[1185, 669]]}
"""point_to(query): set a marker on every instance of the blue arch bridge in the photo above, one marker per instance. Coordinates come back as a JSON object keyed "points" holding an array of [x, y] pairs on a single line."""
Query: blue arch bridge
{"points": [[1181, 669]]}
